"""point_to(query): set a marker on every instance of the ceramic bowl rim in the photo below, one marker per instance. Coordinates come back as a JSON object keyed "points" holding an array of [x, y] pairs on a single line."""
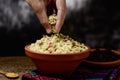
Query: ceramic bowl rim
{"points": [[70, 54], [104, 63]]}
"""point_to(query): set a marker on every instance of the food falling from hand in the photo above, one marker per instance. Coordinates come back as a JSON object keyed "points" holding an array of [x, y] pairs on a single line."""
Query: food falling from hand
{"points": [[52, 21]]}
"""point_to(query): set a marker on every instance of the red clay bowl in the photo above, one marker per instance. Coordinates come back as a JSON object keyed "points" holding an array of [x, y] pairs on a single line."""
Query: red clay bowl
{"points": [[61, 64], [105, 64]]}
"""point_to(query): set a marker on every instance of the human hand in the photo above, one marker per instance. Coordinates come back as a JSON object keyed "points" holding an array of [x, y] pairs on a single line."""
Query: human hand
{"points": [[42, 9]]}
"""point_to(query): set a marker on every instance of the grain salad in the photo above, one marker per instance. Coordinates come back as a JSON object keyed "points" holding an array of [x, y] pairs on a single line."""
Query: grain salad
{"points": [[57, 44]]}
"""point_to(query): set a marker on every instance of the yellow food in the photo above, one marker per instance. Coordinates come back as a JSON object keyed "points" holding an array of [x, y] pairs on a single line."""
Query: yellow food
{"points": [[10, 74], [57, 44], [52, 21]]}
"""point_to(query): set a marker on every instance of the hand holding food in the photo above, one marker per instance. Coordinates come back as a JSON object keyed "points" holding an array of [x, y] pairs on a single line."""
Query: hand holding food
{"points": [[57, 43], [40, 7]]}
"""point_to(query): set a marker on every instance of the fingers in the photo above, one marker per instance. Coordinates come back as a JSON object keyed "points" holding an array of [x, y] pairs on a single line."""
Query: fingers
{"points": [[36, 5], [39, 7], [44, 21], [61, 7]]}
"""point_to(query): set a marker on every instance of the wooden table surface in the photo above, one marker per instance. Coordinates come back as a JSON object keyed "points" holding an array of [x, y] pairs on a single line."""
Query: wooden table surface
{"points": [[17, 64]]}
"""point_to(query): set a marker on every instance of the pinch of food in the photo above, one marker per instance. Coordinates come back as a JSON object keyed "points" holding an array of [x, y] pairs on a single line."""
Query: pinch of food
{"points": [[53, 29], [52, 21]]}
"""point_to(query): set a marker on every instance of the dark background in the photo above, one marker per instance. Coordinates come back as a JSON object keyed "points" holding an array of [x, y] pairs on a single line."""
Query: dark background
{"points": [[97, 24]]}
